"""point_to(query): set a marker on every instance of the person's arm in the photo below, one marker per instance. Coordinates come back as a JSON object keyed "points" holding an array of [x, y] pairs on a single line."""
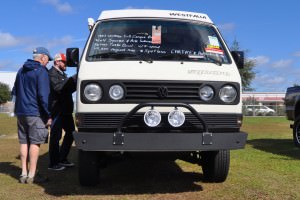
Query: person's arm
{"points": [[43, 87], [68, 85]]}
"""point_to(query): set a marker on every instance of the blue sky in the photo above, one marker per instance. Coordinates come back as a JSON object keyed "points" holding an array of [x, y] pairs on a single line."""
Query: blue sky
{"points": [[268, 30]]}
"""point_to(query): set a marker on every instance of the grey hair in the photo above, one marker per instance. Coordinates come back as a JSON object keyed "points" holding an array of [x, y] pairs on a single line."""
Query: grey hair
{"points": [[36, 56]]}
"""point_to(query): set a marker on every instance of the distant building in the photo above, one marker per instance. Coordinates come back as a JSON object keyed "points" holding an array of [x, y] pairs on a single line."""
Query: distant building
{"points": [[265, 98], [263, 103], [8, 78]]}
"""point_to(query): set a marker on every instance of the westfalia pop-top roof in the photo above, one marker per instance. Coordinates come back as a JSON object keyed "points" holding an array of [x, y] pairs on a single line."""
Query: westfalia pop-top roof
{"points": [[145, 13]]}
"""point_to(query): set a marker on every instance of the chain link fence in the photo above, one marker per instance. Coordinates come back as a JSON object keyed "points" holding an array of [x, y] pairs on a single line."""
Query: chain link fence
{"points": [[264, 110], [248, 110], [7, 107]]}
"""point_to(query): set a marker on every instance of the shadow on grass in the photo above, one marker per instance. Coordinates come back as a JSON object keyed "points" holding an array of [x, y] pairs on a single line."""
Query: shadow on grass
{"points": [[283, 147], [10, 169], [127, 177]]}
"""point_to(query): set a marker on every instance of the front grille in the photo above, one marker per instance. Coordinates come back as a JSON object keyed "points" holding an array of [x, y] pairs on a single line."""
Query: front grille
{"points": [[158, 91], [112, 121], [137, 91]]}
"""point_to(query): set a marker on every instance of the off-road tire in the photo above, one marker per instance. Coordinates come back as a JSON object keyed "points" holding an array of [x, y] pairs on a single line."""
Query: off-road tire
{"points": [[215, 165], [296, 132]]}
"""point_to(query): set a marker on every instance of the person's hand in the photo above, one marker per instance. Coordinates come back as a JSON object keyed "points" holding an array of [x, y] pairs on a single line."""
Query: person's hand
{"points": [[49, 122]]}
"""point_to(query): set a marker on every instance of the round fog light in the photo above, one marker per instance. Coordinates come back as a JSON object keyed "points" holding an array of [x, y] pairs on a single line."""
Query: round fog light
{"points": [[152, 118], [176, 118]]}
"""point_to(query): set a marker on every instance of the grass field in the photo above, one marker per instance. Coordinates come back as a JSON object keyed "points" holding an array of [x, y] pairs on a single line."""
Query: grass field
{"points": [[268, 168]]}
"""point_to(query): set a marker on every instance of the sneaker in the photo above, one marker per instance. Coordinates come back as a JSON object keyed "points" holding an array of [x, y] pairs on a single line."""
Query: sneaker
{"points": [[36, 179], [66, 163], [56, 167], [23, 178]]}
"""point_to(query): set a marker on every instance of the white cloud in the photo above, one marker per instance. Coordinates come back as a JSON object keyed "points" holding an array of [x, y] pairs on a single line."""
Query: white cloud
{"points": [[282, 63], [130, 8], [64, 8], [63, 41], [274, 80], [8, 65], [59, 6], [8, 40], [3, 64], [297, 54], [8, 78], [26, 44], [260, 60], [227, 27], [269, 82], [134, 7]]}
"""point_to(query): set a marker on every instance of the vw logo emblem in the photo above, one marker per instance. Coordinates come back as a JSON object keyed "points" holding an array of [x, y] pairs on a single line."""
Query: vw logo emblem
{"points": [[163, 92]]}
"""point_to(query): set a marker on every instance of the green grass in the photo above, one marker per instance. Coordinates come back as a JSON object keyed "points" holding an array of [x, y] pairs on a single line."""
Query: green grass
{"points": [[8, 125], [268, 168]]}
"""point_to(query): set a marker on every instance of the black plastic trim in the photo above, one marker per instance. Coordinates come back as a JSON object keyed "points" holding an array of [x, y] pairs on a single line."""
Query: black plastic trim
{"points": [[141, 91]]}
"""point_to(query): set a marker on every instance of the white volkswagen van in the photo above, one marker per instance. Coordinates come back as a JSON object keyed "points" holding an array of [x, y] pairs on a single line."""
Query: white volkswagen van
{"points": [[157, 82]]}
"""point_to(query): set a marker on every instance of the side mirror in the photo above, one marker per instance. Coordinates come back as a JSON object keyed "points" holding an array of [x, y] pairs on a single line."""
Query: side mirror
{"points": [[72, 57], [91, 23], [238, 57]]}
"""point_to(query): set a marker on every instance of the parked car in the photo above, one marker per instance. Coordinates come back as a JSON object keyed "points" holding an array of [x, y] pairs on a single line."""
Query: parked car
{"points": [[292, 109], [259, 111]]}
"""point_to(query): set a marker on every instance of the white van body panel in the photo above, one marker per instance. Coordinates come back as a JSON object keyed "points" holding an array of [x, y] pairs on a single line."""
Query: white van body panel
{"points": [[158, 71], [98, 108], [134, 70], [147, 13]]}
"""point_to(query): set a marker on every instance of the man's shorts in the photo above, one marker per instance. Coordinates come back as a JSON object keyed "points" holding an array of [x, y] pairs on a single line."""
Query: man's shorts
{"points": [[32, 130]]}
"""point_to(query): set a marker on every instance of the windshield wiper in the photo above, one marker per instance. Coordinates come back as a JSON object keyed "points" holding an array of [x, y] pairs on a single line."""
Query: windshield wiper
{"points": [[122, 55], [213, 59], [145, 58], [174, 57], [111, 54]]}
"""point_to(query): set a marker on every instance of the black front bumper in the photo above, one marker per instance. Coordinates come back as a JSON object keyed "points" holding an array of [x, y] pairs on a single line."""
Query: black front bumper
{"points": [[122, 139], [143, 142]]}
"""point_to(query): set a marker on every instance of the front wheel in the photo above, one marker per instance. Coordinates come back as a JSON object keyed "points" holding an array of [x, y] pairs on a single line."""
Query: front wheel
{"points": [[88, 168], [215, 165], [296, 132]]}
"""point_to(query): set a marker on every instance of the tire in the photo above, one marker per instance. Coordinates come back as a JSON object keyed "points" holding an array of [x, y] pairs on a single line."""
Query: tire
{"points": [[88, 169], [250, 113], [259, 114], [296, 132], [215, 165]]}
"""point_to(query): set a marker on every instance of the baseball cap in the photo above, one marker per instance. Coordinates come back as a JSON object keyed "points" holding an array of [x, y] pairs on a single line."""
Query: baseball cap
{"points": [[42, 50], [60, 56]]}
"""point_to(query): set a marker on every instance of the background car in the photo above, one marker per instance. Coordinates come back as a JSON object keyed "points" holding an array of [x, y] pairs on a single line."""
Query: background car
{"points": [[259, 110]]}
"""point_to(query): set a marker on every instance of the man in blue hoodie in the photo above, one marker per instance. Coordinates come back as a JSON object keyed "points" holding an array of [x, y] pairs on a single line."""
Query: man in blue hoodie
{"points": [[32, 88]]}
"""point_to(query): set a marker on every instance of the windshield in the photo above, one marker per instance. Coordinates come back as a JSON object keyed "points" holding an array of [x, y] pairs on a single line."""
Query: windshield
{"points": [[156, 40]]}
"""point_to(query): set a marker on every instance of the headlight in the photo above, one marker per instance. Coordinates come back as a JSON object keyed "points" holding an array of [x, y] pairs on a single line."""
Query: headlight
{"points": [[152, 118], [116, 92], [92, 92], [228, 94], [206, 93], [176, 118]]}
